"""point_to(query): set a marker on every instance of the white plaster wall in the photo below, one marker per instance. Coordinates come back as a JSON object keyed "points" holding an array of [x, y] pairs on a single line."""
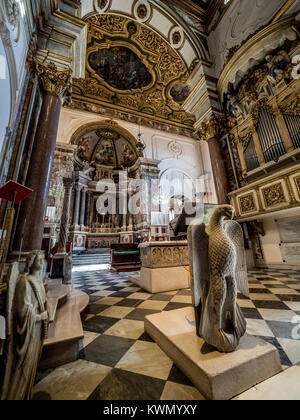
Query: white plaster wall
{"points": [[5, 94], [190, 157], [161, 20], [243, 18], [271, 241], [14, 41]]}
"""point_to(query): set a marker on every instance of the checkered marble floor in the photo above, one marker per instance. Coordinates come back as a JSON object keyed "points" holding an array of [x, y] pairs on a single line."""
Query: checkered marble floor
{"points": [[119, 361]]}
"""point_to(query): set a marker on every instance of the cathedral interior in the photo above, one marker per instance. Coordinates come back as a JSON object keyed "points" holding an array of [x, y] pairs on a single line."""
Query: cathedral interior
{"points": [[149, 200]]}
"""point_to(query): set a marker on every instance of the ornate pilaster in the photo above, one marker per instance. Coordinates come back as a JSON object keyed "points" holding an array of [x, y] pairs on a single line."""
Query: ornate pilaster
{"points": [[212, 128], [284, 131], [211, 131], [64, 226], [258, 147]]}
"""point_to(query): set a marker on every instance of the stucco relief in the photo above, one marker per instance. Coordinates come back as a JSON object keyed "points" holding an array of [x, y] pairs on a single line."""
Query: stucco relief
{"points": [[242, 19], [165, 256], [13, 12]]}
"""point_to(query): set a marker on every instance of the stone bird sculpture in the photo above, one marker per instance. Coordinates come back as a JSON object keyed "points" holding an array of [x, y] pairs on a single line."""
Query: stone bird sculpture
{"points": [[218, 270]]}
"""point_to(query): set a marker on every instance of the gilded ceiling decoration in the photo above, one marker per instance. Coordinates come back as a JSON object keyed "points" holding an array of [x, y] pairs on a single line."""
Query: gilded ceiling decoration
{"points": [[131, 68]]}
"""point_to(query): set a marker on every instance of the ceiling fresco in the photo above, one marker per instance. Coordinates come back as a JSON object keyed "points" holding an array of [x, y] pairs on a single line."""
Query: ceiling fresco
{"points": [[121, 68], [132, 69], [106, 147]]}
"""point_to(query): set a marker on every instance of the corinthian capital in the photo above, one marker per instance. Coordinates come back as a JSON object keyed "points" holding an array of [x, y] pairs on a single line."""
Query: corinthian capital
{"points": [[54, 81], [212, 128]]}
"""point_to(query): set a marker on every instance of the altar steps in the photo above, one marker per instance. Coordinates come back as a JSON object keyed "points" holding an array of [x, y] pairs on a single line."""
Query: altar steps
{"points": [[91, 259], [67, 305]]}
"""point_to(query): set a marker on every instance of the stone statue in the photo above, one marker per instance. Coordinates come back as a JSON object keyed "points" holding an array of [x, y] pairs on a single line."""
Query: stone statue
{"points": [[233, 106], [27, 318], [276, 66], [218, 270]]}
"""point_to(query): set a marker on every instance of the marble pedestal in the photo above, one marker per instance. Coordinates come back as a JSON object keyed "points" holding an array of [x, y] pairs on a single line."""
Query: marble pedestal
{"points": [[160, 280], [216, 375]]}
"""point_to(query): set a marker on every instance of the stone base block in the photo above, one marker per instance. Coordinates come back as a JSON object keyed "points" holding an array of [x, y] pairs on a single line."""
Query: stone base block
{"points": [[159, 280], [217, 376]]}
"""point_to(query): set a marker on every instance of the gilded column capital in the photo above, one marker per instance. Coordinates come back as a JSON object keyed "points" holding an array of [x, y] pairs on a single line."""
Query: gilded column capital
{"points": [[54, 81], [212, 128]]}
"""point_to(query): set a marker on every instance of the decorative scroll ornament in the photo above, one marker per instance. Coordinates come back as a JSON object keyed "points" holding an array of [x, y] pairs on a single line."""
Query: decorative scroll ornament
{"points": [[13, 13], [247, 203], [261, 104], [245, 139], [212, 128], [175, 148], [56, 82], [274, 195], [293, 108]]}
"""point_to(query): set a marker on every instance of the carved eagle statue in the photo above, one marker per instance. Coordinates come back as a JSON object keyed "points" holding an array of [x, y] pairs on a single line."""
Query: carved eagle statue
{"points": [[218, 270]]}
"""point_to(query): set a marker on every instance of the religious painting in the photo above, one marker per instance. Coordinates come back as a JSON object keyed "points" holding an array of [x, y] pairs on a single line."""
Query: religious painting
{"points": [[180, 93], [106, 148], [104, 154], [121, 68]]}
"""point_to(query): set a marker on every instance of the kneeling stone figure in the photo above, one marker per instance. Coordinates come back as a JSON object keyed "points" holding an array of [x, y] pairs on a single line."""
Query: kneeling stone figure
{"points": [[218, 270]]}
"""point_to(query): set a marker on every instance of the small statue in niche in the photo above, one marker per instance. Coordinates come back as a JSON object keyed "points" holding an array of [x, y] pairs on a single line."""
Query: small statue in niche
{"points": [[276, 66], [233, 106], [232, 102], [28, 317], [218, 270]]}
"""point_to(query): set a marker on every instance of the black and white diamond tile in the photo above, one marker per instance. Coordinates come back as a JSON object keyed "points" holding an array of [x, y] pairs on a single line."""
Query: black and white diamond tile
{"points": [[130, 366]]}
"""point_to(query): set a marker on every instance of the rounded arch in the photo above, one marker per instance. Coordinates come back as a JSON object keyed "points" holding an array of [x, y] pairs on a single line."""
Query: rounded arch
{"points": [[106, 124], [159, 18], [176, 183]]}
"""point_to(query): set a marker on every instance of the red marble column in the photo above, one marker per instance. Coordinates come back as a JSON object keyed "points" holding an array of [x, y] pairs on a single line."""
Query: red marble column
{"points": [[210, 131], [32, 215], [38, 179], [219, 170]]}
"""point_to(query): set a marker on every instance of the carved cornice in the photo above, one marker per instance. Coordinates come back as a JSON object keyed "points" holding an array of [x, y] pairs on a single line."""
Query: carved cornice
{"points": [[261, 104], [244, 140], [292, 108], [211, 128], [54, 81]]}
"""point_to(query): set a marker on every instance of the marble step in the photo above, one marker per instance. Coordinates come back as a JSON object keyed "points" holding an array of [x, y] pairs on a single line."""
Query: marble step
{"points": [[65, 333], [67, 325], [57, 295]]}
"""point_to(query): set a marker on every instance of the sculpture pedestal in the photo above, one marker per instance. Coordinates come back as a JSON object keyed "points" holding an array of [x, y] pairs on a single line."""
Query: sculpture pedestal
{"points": [[217, 376], [160, 280]]}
